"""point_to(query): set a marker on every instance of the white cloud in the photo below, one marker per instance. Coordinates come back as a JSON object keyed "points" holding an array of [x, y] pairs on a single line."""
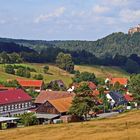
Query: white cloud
{"points": [[130, 15], [56, 13], [100, 9]]}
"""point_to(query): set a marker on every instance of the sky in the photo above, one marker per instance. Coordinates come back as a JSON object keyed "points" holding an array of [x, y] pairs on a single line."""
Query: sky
{"points": [[67, 19]]}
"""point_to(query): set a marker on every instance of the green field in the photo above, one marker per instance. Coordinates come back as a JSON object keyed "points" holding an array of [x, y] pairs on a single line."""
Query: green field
{"points": [[56, 73]]}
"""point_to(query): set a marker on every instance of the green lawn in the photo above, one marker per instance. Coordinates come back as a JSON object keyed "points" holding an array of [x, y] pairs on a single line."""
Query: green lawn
{"points": [[56, 73]]}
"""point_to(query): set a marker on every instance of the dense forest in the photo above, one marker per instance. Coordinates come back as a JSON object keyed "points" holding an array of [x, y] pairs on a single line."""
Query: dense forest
{"points": [[117, 49], [11, 47], [112, 44]]}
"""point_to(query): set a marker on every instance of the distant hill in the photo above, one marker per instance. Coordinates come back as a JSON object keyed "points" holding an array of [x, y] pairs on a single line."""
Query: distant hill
{"points": [[11, 47], [112, 44]]}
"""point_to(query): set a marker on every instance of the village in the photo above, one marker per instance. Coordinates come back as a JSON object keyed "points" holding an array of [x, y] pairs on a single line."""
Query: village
{"points": [[19, 109]]}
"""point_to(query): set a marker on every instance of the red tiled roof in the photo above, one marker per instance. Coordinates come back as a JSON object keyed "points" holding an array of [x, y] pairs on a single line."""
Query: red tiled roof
{"points": [[129, 98], [13, 96], [62, 104], [91, 85], [1, 85], [7, 88], [96, 92], [122, 81], [50, 95], [30, 83]]}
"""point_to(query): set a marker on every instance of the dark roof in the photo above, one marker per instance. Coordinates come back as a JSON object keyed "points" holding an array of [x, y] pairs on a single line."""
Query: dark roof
{"points": [[51, 95], [117, 97], [13, 96], [59, 82]]}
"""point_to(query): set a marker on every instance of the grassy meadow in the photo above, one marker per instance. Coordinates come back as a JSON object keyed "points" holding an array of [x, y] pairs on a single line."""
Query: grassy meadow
{"points": [[122, 127], [56, 73]]}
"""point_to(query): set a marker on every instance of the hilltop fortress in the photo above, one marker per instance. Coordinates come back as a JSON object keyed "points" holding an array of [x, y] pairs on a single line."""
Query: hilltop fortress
{"points": [[134, 29]]}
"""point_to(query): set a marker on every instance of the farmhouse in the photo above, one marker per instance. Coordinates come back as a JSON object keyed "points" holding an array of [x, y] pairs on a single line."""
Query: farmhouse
{"points": [[116, 98], [34, 84], [52, 104], [5, 88], [90, 84], [13, 102], [59, 83], [122, 81], [55, 106], [51, 95]]}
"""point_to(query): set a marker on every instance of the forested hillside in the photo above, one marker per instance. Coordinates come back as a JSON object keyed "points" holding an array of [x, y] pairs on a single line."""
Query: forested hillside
{"points": [[120, 43], [117, 49], [11, 47]]}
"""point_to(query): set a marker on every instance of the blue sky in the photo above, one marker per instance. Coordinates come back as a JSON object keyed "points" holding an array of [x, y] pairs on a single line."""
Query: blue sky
{"points": [[67, 19]]}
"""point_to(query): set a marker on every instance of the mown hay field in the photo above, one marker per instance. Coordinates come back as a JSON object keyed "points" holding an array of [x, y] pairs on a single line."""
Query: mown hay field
{"points": [[122, 127]]}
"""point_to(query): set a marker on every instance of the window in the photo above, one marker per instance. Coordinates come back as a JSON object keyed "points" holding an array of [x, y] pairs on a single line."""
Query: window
{"points": [[1, 108], [15, 106], [12, 107], [22, 105]]}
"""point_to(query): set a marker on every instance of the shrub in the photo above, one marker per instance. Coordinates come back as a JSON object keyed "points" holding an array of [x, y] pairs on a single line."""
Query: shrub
{"points": [[9, 69], [38, 77], [46, 68]]}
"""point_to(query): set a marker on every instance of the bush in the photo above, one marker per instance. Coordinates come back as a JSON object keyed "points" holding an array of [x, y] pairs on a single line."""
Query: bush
{"points": [[28, 119], [38, 77], [46, 68], [23, 72], [9, 69], [33, 93], [12, 83], [24, 67]]}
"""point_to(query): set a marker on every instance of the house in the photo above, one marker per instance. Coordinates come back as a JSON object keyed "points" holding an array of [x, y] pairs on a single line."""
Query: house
{"points": [[37, 85], [11, 122], [14, 101], [116, 98], [122, 81], [6, 88], [55, 106], [53, 109], [51, 95], [129, 98], [91, 85], [52, 104], [59, 83]]}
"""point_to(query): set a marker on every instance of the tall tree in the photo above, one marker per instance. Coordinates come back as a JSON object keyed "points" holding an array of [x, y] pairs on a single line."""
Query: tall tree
{"points": [[83, 102], [46, 68], [84, 76], [64, 61], [134, 87]]}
